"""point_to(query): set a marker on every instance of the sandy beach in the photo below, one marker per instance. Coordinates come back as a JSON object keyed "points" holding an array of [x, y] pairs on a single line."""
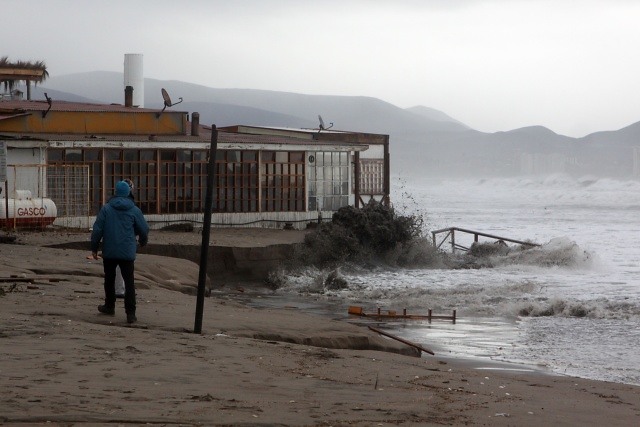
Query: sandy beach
{"points": [[63, 363]]}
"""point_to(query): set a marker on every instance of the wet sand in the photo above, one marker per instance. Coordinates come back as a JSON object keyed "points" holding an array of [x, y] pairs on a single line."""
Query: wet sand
{"points": [[63, 363]]}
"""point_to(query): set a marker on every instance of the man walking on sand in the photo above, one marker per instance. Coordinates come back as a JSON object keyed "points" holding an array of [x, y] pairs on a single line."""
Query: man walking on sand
{"points": [[117, 225], [119, 279]]}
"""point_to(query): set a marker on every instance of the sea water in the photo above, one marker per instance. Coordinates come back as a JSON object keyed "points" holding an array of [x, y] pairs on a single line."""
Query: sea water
{"points": [[571, 305]]}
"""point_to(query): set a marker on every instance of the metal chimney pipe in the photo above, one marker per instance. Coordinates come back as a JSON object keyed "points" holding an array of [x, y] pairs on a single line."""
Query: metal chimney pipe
{"points": [[128, 96], [195, 124]]}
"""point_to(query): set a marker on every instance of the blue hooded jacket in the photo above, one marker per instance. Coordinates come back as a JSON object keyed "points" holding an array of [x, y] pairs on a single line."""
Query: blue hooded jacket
{"points": [[117, 225]]}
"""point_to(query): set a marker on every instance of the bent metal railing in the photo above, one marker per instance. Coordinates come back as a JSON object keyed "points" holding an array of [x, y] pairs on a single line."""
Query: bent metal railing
{"points": [[450, 233]]}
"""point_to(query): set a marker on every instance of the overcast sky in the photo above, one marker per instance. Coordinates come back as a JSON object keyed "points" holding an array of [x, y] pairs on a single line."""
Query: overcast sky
{"points": [[572, 66]]}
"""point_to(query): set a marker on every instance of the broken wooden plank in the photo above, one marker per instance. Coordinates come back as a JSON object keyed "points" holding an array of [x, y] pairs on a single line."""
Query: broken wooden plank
{"points": [[402, 340]]}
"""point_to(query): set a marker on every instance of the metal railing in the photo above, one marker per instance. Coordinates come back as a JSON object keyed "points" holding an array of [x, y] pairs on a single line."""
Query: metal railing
{"points": [[451, 233]]}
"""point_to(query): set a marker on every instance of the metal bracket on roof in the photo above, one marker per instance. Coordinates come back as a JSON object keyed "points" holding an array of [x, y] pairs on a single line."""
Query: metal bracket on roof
{"points": [[49, 101], [167, 102]]}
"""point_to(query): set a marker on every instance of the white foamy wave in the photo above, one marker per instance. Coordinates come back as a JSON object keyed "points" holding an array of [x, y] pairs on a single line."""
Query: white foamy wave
{"points": [[560, 251], [595, 309], [398, 290]]}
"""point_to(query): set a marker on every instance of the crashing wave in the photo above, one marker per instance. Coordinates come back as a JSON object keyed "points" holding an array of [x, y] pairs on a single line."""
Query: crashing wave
{"points": [[596, 309], [558, 252]]}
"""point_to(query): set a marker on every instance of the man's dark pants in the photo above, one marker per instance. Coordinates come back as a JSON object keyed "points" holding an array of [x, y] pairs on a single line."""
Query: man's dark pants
{"points": [[126, 268]]}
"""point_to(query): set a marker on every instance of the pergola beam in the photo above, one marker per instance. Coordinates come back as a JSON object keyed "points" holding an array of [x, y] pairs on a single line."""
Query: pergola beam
{"points": [[21, 74]]}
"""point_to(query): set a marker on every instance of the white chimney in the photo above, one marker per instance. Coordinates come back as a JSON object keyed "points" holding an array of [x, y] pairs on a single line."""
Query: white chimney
{"points": [[134, 77]]}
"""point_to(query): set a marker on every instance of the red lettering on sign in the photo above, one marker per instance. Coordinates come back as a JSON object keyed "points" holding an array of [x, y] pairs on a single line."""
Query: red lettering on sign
{"points": [[32, 211]]}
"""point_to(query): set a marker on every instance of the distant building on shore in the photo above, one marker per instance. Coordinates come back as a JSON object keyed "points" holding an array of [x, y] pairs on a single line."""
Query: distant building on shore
{"points": [[74, 153]]}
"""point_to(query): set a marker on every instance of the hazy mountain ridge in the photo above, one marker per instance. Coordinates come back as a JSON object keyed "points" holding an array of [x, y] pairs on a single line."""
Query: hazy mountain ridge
{"points": [[433, 114], [424, 140]]}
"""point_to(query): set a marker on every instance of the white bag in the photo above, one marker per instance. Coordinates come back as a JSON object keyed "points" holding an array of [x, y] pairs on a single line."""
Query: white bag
{"points": [[119, 282]]}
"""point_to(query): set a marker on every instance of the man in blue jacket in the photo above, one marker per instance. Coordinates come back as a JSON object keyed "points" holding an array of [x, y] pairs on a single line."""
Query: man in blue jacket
{"points": [[117, 225]]}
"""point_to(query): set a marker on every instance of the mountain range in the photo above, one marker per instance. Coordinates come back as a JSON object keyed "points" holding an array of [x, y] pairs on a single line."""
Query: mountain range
{"points": [[423, 141]]}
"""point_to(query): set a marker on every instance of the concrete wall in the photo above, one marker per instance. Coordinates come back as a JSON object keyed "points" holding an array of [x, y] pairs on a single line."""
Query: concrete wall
{"points": [[227, 265]]}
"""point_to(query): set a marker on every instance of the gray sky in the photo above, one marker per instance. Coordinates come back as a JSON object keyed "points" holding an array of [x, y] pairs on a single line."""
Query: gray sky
{"points": [[572, 66]]}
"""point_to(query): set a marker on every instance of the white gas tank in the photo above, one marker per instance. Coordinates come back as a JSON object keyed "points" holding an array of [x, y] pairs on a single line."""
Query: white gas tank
{"points": [[27, 212]]}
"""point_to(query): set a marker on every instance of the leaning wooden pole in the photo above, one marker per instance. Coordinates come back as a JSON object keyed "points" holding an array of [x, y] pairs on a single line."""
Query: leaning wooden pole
{"points": [[402, 340], [206, 229]]}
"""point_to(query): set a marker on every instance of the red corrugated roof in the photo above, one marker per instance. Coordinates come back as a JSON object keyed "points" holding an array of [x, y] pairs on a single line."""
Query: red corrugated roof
{"points": [[14, 108], [16, 105]]}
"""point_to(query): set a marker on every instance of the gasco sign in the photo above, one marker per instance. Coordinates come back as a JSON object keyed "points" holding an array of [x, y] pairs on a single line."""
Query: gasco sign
{"points": [[31, 211]]}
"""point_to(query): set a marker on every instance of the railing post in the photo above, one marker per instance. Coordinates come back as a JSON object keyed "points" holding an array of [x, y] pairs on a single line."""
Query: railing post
{"points": [[453, 241]]}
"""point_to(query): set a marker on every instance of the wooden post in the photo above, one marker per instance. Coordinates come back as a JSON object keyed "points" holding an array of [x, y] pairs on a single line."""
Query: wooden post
{"points": [[6, 202], [429, 315], [387, 173], [454, 316], [453, 241], [206, 230], [356, 178]]}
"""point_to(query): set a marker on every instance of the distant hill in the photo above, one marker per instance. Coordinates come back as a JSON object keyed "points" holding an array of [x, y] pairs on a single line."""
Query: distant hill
{"points": [[354, 113], [424, 141], [433, 114]]}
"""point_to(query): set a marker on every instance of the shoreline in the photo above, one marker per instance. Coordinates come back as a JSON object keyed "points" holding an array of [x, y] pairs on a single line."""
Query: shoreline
{"points": [[65, 363], [475, 362]]}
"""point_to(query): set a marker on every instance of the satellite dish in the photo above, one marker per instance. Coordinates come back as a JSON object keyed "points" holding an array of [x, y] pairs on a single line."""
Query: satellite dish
{"points": [[167, 101], [166, 97], [322, 127]]}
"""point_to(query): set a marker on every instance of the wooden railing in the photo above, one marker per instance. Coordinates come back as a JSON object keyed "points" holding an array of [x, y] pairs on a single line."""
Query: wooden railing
{"points": [[450, 233]]}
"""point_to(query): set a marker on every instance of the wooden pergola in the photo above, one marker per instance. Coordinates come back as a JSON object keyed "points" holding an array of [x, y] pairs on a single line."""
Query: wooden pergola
{"points": [[11, 73]]}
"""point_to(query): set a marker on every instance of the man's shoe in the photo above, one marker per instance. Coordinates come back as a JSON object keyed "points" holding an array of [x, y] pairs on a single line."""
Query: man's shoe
{"points": [[120, 296], [106, 310], [131, 318]]}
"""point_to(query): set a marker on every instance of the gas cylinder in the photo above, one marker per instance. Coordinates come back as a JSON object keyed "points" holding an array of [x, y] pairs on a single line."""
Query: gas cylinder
{"points": [[27, 212]]}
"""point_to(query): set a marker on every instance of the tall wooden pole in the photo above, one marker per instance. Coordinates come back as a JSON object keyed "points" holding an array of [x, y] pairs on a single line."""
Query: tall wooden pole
{"points": [[206, 229], [387, 173], [6, 202], [356, 178]]}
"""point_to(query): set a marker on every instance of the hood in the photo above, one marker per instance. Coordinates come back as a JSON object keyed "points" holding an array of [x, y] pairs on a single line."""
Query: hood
{"points": [[121, 203]]}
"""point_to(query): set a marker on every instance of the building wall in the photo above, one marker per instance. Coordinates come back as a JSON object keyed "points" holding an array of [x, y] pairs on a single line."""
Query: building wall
{"points": [[25, 171], [260, 187], [288, 184]]}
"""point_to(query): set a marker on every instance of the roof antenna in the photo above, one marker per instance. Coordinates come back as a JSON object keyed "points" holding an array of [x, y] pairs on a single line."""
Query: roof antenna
{"points": [[321, 127], [167, 101], [49, 101]]}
